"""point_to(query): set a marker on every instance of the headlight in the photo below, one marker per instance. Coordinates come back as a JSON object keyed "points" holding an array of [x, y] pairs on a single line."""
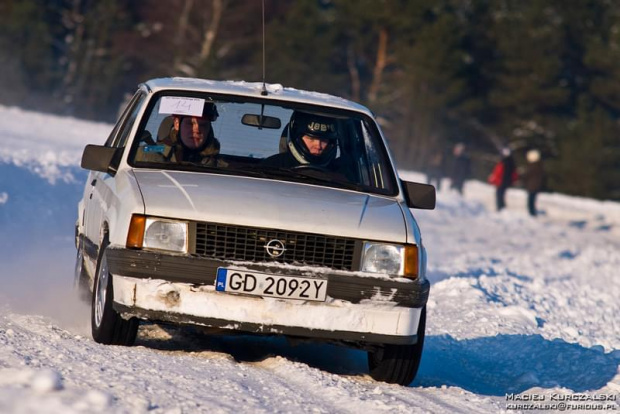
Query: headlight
{"points": [[391, 259], [156, 233], [165, 235]]}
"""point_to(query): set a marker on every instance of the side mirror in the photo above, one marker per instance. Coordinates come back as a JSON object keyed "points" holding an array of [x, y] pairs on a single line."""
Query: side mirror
{"points": [[419, 195], [100, 158], [264, 121]]}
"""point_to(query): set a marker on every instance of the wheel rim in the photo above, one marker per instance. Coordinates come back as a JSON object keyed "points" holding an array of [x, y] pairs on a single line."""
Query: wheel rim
{"points": [[101, 290]]}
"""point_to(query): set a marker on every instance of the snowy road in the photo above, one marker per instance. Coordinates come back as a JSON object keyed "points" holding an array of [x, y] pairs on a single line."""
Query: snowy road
{"points": [[518, 306]]}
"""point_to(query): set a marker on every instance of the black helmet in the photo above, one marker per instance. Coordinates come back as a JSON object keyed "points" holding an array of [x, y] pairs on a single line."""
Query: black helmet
{"points": [[317, 126]]}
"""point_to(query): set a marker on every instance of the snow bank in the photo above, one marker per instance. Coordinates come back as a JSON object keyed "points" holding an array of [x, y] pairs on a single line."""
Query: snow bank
{"points": [[46, 144]]}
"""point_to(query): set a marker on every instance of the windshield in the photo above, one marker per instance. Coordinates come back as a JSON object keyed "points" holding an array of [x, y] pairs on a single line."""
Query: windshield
{"points": [[281, 141]]}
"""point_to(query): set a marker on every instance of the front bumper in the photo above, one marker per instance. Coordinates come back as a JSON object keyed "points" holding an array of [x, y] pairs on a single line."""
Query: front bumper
{"points": [[180, 289]]}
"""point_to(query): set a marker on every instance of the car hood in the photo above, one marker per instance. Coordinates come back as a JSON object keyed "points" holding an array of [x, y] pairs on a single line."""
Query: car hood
{"points": [[265, 203]]}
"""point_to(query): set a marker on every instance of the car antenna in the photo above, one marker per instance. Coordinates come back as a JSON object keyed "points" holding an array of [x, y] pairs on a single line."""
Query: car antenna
{"points": [[264, 91]]}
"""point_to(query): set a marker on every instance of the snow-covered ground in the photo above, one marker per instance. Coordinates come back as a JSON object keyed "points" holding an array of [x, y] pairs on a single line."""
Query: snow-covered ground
{"points": [[518, 306]]}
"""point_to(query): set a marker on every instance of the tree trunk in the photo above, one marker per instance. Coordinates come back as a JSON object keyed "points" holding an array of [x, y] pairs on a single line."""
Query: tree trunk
{"points": [[180, 37], [380, 63], [73, 55], [211, 31], [353, 73]]}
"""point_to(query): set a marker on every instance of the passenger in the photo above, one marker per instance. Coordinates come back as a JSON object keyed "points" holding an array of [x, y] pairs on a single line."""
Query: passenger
{"points": [[312, 140], [191, 138]]}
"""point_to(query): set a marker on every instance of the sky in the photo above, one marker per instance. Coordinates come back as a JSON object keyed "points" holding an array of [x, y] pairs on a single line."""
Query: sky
{"points": [[518, 306]]}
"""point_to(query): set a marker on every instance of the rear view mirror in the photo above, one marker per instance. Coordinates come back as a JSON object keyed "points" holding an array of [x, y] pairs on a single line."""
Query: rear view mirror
{"points": [[261, 121], [419, 195], [100, 158]]}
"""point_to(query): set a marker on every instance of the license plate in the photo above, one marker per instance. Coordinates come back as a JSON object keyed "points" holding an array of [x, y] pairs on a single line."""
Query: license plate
{"points": [[261, 284]]}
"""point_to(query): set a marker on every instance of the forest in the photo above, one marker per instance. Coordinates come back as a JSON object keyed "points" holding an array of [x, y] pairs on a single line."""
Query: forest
{"points": [[523, 74]]}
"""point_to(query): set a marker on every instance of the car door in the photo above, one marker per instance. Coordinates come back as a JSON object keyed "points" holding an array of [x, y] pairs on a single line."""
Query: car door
{"points": [[102, 191]]}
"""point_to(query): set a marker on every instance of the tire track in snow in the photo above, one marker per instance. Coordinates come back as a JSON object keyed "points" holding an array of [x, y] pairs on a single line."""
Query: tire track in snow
{"points": [[139, 379], [361, 394]]}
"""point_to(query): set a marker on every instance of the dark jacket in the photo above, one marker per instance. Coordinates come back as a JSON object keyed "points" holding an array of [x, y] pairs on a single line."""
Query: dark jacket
{"points": [[461, 168], [534, 177], [281, 160], [504, 173], [287, 160], [436, 164], [510, 170], [178, 152]]}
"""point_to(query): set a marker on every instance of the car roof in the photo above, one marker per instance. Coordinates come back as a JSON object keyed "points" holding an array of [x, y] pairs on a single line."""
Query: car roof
{"points": [[275, 92]]}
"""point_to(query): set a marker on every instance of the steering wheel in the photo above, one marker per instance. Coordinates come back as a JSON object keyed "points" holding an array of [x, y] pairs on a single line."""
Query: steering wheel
{"points": [[311, 167]]}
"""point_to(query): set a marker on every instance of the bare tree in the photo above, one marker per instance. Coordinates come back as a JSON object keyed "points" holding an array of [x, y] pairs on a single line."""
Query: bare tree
{"points": [[181, 34], [380, 63], [353, 73], [74, 21], [190, 64], [211, 31]]}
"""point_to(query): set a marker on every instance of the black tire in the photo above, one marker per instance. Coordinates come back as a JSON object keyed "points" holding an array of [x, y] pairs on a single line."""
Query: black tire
{"points": [[398, 364], [107, 326], [81, 279]]}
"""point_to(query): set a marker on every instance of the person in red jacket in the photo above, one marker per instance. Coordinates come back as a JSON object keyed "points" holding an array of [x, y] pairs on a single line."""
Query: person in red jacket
{"points": [[504, 174]]}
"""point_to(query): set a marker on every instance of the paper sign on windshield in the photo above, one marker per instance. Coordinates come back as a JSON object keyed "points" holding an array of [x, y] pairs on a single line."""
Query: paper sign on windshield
{"points": [[181, 106]]}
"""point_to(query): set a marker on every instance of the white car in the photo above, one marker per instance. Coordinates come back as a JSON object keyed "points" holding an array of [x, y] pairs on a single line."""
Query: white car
{"points": [[257, 209]]}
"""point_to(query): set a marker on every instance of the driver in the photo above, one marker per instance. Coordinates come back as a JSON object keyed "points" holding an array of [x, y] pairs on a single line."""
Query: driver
{"points": [[311, 140]]}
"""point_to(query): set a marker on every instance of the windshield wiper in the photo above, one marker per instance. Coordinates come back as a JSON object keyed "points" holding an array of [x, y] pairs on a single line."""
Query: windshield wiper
{"points": [[262, 171], [313, 175], [224, 170]]}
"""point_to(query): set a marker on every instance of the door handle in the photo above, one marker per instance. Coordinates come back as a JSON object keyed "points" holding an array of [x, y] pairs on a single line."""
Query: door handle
{"points": [[93, 182]]}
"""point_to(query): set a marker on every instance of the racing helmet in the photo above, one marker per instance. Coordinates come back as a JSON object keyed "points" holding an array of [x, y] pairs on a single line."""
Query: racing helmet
{"points": [[316, 126]]}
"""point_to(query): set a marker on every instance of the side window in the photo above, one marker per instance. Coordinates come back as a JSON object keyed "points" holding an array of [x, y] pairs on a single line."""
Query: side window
{"points": [[134, 108], [113, 138], [375, 171]]}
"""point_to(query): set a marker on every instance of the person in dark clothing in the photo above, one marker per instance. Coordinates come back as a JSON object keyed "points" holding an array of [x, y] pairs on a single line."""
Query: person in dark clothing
{"points": [[504, 174], [435, 169], [461, 167], [533, 179], [311, 140]]}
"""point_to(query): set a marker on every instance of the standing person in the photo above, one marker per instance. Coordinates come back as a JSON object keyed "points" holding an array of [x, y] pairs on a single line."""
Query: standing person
{"points": [[461, 167], [533, 179], [504, 174], [435, 169]]}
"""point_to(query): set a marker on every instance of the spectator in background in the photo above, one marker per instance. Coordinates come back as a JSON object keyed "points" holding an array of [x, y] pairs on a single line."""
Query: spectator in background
{"points": [[533, 179], [504, 174], [435, 169], [461, 167]]}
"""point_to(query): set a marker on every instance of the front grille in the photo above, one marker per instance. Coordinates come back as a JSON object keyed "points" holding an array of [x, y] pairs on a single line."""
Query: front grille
{"points": [[248, 244]]}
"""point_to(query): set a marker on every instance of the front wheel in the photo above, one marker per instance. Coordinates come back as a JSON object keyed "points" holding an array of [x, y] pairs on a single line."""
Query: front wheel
{"points": [[107, 326], [398, 364]]}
